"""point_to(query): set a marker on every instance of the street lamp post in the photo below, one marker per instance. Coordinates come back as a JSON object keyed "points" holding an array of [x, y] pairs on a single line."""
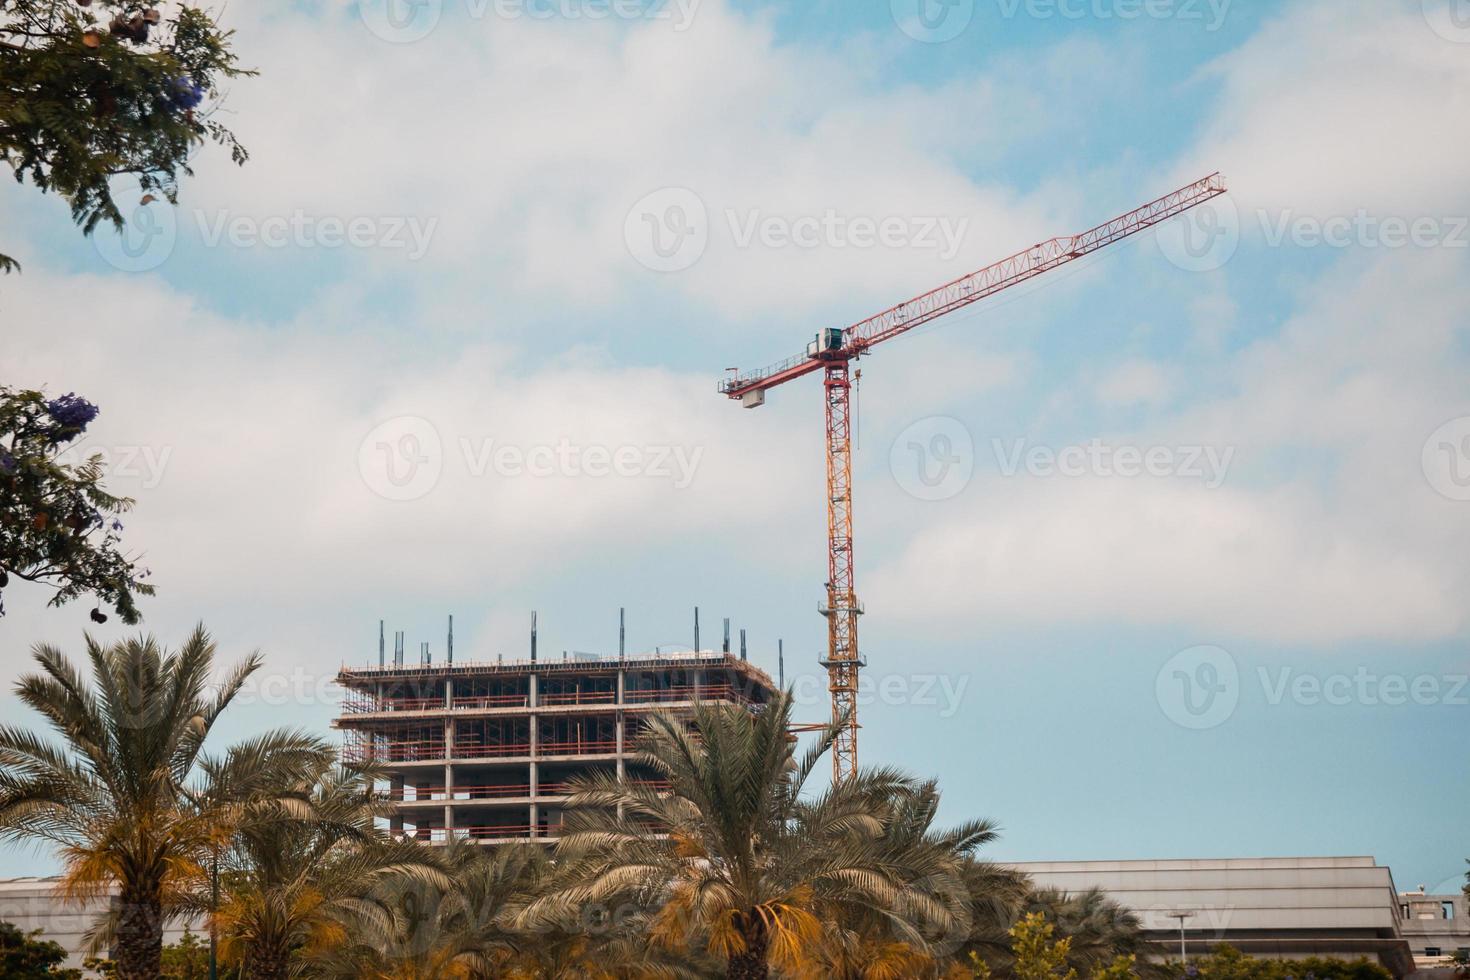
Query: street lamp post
{"points": [[213, 913], [1181, 916]]}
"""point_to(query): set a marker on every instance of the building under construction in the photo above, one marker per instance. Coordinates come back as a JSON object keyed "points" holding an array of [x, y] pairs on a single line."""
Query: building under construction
{"points": [[485, 751]]}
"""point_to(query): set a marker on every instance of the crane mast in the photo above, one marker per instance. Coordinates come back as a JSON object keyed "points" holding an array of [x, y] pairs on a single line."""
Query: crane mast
{"points": [[832, 352]]}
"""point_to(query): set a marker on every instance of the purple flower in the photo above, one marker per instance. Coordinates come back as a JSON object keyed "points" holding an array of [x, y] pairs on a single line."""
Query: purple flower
{"points": [[185, 93], [117, 525], [71, 413], [7, 463]]}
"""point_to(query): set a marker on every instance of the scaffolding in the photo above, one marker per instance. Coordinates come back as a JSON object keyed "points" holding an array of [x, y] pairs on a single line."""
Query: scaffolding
{"points": [[488, 751]]}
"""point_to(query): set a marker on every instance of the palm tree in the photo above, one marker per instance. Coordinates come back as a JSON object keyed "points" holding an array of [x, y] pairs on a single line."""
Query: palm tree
{"points": [[114, 799], [413, 926], [867, 944], [997, 899], [732, 857], [301, 865], [1099, 928]]}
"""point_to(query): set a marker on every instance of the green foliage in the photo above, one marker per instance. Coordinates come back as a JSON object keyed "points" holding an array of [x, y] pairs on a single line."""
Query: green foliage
{"points": [[1122, 968], [302, 867], [187, 959], [1035, 951], [1038, 956], [28, 957], [733, 868], [1228, 963], [92, 91], [736, 858], [58, 526], [119, 799]]}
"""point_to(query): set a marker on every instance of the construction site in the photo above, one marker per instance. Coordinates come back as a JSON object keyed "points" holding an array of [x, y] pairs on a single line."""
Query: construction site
{"points": [[485, 751]]}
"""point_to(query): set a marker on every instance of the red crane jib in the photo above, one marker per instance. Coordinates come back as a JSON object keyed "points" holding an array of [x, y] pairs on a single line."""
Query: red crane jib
{"points": [[1010, 271]]}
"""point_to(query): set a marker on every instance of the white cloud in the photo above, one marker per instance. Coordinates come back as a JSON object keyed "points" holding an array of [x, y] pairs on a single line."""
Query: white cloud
{"points": [[1335, 106], [1135, 381], [1325, 529], [530, 140], [260, 431]]}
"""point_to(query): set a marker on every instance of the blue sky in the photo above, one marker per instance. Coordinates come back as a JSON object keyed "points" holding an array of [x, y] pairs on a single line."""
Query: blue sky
{"points": [[1258, 647]]}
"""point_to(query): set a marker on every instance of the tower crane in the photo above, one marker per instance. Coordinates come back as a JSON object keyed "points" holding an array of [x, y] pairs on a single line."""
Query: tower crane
{"points": [[832, 352]]}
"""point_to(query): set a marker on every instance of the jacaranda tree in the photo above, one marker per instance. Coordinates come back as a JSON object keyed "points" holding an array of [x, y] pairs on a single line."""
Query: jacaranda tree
{"points": [[94, 89], [58, 525]]}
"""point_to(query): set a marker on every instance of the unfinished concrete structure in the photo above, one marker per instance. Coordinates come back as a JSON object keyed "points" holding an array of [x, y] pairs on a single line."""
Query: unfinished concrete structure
{"points": [[485, 750]]}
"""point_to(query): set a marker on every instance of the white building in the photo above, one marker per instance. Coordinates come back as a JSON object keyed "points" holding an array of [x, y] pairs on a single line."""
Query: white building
{"points": [[32, 903], [1436, 926], [1279, 907]]}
